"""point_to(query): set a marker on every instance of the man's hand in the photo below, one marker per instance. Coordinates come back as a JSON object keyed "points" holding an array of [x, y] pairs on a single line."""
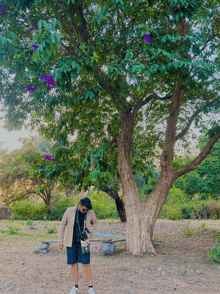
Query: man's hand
{"points": [[88, 240], [61, 246]]}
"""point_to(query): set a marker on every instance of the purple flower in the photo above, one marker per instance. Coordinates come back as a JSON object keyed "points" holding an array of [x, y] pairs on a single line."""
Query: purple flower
{"points": [[48, 157], [26, 45], [147, 39], [43, 76], [34, 47], [1, 6], [32, 28], [0, 10], [30, 90], [49, 80]]}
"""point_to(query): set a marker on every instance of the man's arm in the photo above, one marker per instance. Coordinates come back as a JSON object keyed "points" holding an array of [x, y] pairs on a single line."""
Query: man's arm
{"points": [[63, 225]]}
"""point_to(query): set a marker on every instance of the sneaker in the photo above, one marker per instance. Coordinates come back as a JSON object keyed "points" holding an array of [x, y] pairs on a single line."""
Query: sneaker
{"points": [[74, 290], [91, 291]]}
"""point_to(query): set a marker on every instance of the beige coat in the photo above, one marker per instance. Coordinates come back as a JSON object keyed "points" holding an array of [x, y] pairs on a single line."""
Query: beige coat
{"points": [[68, 221]]}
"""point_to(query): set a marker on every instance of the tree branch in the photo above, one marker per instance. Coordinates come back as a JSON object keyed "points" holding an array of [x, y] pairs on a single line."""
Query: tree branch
{"points": [[184, 131], [140, 102], [196, 162], [212, 36]]}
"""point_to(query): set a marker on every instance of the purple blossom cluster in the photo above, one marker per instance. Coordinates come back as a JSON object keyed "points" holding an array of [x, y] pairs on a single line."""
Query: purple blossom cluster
{"points": [[30, 90], [49, 80], [1, 8], [147, 39], [48, 157], [35, 47]]}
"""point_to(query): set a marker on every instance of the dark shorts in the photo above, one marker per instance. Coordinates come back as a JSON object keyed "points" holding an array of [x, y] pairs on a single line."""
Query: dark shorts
{"points": [[74, 255]]}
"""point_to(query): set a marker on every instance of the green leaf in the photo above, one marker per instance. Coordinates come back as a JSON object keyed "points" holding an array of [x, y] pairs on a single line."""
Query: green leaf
{"points": [[176, 64], [164, 38]]}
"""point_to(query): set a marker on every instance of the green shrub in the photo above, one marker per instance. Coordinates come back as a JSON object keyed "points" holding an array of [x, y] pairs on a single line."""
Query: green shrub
{"points": [[51, 230], [208, 209], [187, 231], [103, 205], [215, 236], [214, 254], [12, 230], [175, 196], [187, 209]]}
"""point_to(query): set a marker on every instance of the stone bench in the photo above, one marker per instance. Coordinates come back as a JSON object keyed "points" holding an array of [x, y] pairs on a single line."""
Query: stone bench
{"points": [[108, 246]]}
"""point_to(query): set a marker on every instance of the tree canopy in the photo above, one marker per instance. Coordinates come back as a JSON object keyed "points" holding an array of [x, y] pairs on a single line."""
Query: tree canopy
{"points": [[101, 65]]}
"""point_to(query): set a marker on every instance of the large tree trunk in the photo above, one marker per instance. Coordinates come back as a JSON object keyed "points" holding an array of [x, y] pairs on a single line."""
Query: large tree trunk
{"points": [[142, 215]]}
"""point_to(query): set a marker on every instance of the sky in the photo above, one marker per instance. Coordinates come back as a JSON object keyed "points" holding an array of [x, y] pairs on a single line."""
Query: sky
{"points": [[10, 139]]}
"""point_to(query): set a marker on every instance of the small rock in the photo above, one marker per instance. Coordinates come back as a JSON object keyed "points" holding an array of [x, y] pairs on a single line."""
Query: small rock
{"points": [[44, 251], [40, 251], [160, 269], [44, 246], [165, 253], [165, 274], [184, 273], [37, 251], [199, 272], [9, 289], [6, 285]]}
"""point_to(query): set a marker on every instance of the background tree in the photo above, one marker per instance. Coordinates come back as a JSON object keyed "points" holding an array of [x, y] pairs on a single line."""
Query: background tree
{"points": [[174, 78], [15, 183]]}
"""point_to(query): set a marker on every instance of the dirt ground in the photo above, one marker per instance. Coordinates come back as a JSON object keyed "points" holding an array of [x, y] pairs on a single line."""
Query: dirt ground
{"points": [[120, 273]]}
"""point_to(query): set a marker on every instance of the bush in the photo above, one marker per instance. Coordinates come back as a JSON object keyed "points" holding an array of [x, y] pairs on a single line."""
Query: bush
{"points": [[214, 254], [103, 205], [175, 214], [186, 211], [208, 209]]}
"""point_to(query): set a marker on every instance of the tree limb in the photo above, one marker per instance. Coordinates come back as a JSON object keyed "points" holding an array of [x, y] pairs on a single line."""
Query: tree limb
{"points": [[212, 36], [184, 131], [196, 162], [141, 102]]}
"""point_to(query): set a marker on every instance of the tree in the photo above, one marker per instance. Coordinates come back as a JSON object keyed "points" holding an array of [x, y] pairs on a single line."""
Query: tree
{"points": [[15, 183], [174, 78]]}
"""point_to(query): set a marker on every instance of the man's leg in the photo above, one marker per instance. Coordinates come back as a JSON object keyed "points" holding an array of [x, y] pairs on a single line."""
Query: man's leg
{"points": [[88, 273], [74, 273]]}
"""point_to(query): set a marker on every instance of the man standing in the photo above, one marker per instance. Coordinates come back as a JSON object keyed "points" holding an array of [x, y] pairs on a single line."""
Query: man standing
{"points": [[77, 221]]}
